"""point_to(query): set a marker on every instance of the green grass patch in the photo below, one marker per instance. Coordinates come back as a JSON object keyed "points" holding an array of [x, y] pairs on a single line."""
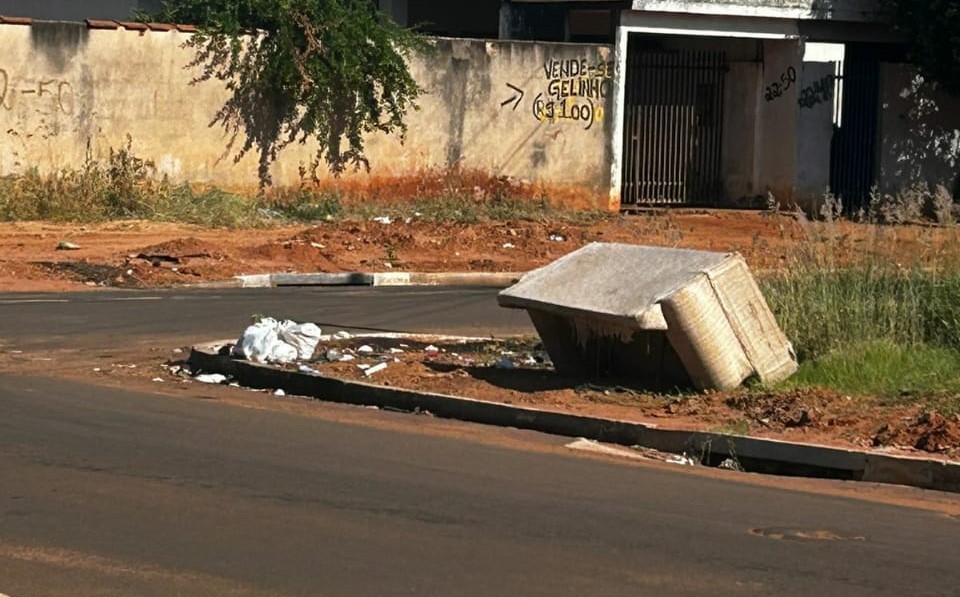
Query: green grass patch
{"points": [[825, 311], [884, 369]]}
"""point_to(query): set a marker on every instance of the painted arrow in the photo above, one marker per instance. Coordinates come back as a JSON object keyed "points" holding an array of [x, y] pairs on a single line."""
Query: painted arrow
{"points": [[515, 99]]}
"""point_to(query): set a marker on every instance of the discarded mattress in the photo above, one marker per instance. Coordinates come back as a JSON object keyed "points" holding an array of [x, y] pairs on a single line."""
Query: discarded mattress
{"points": [[701, 310]]}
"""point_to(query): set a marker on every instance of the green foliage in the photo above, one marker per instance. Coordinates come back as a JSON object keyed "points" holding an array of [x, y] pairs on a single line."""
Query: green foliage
{"points": [[823, 310], [932, 28], [884, 369], [298, 70]]}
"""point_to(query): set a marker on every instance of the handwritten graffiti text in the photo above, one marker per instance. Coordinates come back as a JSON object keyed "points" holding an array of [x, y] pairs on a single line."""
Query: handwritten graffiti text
{"points": [[58, 94], [778, 88], [818, 92]]}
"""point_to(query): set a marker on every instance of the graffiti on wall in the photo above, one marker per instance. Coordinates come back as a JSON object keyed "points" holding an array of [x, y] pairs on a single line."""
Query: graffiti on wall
{"points": [[575, 91], [818, 92], [55, 95], [779, 87]]}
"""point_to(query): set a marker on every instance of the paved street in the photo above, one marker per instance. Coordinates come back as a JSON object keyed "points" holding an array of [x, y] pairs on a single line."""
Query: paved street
{"points": [[112, 491]]}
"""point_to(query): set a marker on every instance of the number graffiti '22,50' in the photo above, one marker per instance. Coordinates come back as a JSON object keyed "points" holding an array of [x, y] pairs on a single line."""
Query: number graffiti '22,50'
{"points": [[778, 88]]}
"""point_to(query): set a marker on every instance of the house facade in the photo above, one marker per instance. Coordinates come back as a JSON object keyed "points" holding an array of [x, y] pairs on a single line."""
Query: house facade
{"points": [[609, 103]]}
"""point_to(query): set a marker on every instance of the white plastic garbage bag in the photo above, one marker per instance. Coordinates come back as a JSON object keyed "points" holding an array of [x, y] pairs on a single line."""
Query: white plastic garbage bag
{"points": [[272, 341], [304, 337]]}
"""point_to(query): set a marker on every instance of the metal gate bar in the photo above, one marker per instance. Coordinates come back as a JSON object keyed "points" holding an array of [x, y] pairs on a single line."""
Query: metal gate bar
{"points": [[853, 161], [672, 127]]}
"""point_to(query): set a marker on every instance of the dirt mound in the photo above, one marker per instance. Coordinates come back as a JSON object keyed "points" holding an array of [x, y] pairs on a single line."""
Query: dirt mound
{"points": [[806, 407], [295, 254], [180, 250], [929, 432]]}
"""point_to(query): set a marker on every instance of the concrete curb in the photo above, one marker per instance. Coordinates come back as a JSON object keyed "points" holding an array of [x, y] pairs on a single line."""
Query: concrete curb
{"points": [[488, 279], [756, 454]]}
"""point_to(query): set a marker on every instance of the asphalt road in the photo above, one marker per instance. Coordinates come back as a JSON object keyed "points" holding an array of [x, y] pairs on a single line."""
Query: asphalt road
{"points": [[98, 318], [107, 491]]}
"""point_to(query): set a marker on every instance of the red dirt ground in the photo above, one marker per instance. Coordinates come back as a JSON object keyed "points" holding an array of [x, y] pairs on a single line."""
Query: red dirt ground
{"points": [[145, 254]]}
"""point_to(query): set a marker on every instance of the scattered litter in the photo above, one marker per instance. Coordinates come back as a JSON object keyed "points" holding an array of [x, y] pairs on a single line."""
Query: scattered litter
{"points": [[731, 465], [557, 238], [271, 341], [270, 214], [16, 352], [396, 360], [363, 366], [529, 360], [422, 412], [383, 219], [681, 459], [347, 357], [211, 378], [431, 348], [318, 246], [279, 392], [159, 379], [365, 349], [375, 369], [342, 335], [66, 245], [404, 346], [589, 445], [333, 355], [396, 350], [96, 369], [509, 246], [308, 369], [177, 351], [505, 363], [174, 369]]}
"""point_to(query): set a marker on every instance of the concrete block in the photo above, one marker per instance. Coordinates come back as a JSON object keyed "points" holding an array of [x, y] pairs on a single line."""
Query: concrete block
{"points": [[672, 316]]}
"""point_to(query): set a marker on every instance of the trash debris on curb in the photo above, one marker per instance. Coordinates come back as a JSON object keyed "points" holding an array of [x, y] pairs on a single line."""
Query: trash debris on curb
{"points": [[731, 465], [701, 315], [342, 335], [365, 349], [216, 378], [505, 363], [375, 369], [272, 341], [509, 246], [158, 379], [307, 369], [557, 238], [681, 459], [279, 392], [66, 245], [382, 219]]}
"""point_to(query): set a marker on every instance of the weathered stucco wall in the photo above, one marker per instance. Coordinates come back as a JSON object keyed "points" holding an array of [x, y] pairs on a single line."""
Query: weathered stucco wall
{"points": [[777, 143], [65, 88]]}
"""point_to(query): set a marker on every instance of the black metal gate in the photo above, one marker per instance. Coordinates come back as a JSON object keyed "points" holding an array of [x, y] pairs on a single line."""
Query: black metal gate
{"points": [[853, 152], [673, 125]]}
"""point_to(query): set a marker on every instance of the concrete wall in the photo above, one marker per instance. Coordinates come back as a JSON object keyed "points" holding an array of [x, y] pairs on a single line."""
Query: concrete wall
{"points": [[66, 88], [815, 129], [777, 145], [919, 132], [841, 10]]}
